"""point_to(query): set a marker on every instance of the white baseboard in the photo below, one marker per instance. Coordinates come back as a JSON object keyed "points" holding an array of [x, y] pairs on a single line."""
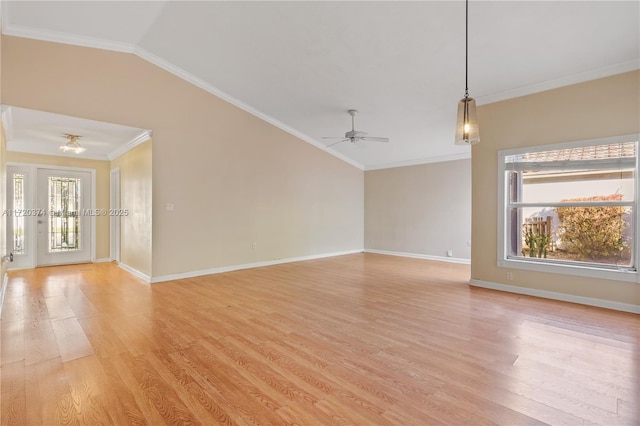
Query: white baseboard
{"points": [[146, 278], [101, 260], [5, 281], [420, 256], [20, 268], [223, 269], [600, 303]]}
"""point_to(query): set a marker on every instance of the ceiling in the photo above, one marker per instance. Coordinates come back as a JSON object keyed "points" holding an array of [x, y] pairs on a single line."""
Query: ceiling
{"points": [[301, 65], [41, 132]]}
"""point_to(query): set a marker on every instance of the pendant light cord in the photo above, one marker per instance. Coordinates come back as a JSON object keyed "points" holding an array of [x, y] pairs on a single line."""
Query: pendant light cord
{"points": [[466, 50]]}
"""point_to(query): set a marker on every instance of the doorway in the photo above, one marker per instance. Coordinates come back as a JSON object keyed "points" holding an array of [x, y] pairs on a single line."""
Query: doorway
{"points": [[50, 215]]}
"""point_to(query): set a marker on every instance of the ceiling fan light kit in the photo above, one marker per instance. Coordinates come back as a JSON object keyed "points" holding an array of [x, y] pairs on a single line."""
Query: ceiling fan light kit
{"points": [[72, 145], [354, 135], [467, 132]]}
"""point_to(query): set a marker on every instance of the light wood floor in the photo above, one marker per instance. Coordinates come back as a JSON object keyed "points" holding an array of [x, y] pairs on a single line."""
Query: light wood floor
{"points": [[361, 339]]}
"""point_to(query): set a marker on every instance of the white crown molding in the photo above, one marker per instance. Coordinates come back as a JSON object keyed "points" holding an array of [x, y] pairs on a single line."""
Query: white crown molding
{"points": [[58, 37], [11, 146], [590, 301], [420, 256], [415, 162], [560, 82], [31, 146], [64, 38], [185, 75], [141, 138], [220, 270]]}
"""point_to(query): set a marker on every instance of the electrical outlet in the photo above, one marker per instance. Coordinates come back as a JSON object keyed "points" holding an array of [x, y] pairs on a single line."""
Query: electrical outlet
{"points": [[449, 253], [254, 245], [510, 276]]}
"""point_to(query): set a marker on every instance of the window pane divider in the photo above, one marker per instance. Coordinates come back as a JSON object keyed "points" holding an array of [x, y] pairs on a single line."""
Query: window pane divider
{"points": [[601, 164], [574, 204]]}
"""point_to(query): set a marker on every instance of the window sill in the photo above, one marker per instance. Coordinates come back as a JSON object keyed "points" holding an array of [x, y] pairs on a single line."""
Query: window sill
{"points": [[579, 271]]}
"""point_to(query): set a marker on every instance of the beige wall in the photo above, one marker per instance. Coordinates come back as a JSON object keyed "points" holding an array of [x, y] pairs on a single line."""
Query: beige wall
{"points": [[102, 188], [136, 198], [233, 178], [600, 108], [423, 209]]}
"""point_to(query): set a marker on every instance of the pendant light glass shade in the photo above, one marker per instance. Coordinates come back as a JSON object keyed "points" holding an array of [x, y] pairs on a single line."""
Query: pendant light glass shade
{"points": [[467, 132]]}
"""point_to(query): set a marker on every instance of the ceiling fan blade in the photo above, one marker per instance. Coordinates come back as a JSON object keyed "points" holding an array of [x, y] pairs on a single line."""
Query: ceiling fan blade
{"points": [[354, 135], [374, 139], [335, 143]]}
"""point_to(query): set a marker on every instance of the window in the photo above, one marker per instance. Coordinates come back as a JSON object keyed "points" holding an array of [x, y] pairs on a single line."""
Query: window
{"points": [[17, 214], [571, 208], [64, 220]]}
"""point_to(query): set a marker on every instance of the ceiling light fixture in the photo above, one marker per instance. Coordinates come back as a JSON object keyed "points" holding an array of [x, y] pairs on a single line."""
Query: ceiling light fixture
{"points": [[72, 145], [467, 132]]}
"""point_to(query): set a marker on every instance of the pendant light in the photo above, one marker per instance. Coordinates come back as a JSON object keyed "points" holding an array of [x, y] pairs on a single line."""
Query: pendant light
{"points": [[467, 132], [72, 145]]}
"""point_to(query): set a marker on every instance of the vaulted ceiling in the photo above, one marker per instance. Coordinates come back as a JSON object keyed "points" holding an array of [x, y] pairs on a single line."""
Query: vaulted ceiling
{"points": [[302, 65]]}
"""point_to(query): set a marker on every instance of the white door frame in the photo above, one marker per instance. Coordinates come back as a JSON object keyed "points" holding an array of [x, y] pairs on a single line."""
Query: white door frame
{"points": [[115, 220], [33, 170]]}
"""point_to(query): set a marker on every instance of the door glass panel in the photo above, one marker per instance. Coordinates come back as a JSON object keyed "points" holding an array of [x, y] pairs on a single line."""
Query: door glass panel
{"points": [[64, 219], [18, 213]]}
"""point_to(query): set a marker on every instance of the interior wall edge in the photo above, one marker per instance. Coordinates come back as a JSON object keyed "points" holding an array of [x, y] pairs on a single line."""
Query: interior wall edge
{"points": [[5, 281], [222, 269], [133, 271], [421, 256]]}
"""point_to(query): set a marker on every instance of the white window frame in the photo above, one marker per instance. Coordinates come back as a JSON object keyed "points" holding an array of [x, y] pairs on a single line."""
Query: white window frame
{"points": [[588, 270]]}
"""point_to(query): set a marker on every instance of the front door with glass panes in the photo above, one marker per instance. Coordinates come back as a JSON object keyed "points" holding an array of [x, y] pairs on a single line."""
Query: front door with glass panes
{"points": [[47, 216], [64, 228]]}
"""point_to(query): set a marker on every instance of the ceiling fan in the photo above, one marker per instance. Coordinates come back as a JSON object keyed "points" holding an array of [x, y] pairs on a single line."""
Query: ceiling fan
{"points": [[353, 135]]}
